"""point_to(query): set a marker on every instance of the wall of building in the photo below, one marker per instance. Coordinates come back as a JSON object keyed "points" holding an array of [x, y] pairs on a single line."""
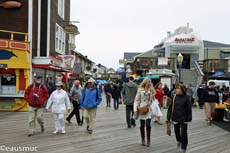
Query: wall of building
{"points": [[15, 19]]}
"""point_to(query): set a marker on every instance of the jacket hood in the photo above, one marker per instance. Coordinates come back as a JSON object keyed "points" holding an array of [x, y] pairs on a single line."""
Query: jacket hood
{"points": [[130, 84]]}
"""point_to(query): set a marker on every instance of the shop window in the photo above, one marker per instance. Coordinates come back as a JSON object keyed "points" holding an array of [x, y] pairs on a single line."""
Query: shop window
{"points": [[8, 84]]}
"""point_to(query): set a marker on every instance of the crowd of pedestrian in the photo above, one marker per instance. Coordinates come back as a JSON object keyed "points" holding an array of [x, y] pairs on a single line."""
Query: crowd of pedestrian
{"points": [[144, 102]]}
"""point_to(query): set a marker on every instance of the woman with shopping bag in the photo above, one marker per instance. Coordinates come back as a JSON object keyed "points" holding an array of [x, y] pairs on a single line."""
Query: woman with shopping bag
{"points": [[180, 113]]}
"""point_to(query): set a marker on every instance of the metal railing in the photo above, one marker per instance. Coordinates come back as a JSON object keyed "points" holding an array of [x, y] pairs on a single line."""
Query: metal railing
{"points": [[200, 76]]}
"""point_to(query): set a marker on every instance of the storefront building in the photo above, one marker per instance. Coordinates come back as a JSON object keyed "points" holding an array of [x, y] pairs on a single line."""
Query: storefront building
{"points": [[33, 41], [183, 41], [14, 72]]}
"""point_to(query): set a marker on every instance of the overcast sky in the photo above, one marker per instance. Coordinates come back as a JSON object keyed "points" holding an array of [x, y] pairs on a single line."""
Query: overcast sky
{"points": [[108, 28]]}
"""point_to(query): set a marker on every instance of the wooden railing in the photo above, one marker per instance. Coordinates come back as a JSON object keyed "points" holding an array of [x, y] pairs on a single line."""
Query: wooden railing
{"points": [[13, 33]]}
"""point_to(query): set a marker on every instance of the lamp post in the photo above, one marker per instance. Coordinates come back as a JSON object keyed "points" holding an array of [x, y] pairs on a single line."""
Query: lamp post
{"points": [[179, 60]]}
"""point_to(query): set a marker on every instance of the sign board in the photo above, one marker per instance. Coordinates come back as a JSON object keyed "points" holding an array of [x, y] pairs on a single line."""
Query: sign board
{"points": [[167, 81], [162, 61], [71, 29], [64, 61]]}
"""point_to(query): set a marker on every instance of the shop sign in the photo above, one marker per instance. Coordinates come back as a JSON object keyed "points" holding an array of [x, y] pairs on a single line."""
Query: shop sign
{"points": [[184, 40], [64, 61], [71, 29]]}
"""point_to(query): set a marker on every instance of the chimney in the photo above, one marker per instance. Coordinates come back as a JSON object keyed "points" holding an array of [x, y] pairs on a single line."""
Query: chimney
{"points": [[187, 27], [168, 34]]}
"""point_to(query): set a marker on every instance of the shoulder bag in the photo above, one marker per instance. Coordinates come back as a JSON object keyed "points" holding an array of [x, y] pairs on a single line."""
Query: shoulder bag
{"points": [[168, 123], [144, 109]]}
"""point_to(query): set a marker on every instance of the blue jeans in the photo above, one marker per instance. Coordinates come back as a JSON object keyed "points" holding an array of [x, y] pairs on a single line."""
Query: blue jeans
{"points": [[116, 103]]}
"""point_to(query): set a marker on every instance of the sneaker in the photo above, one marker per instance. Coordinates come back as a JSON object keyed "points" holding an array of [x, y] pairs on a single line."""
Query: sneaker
{"points": [[129, 126], [209, 122], [42, 128], [183, 151], [178, 145], [159, 123], [68, 120], [80, 124], [55, 132], [63, 132], [31, 133], [90, 131]]}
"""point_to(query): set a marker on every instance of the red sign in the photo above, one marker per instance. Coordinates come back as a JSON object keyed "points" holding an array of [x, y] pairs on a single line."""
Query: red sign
{"points": [[184, 39]]}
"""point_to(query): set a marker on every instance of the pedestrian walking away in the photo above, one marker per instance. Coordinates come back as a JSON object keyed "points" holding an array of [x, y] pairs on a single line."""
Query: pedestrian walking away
{"points": [[75, 96], [129, 91], [116, 95], [108, 94], [143, 98], [91, 98], [59, 102], [36, 95], [180, 113]]}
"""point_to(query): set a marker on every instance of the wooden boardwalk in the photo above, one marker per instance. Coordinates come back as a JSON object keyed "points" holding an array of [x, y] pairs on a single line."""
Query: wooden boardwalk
{"points": [[110, 135]]}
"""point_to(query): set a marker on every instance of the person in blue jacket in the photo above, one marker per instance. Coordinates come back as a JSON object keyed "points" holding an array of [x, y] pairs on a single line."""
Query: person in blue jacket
{"points": [[91, 98]]}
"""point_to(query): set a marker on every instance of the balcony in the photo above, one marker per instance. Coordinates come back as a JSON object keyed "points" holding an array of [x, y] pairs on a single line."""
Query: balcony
{"points": [[14, 40], [141, 64]]}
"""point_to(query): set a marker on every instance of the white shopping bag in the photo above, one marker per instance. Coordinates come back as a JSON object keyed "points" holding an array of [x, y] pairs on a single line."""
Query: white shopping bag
{"points": [[156, 111]]}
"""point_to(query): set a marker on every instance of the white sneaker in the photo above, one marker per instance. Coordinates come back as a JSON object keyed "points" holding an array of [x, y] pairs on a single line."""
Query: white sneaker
{"points": [[62, 132], [55, 132]]}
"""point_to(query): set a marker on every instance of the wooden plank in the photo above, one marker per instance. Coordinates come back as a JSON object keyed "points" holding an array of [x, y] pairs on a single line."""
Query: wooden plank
{"points": [[110, 135]]}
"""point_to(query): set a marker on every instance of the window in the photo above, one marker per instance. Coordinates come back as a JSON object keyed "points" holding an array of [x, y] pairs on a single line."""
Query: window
{"points": [[8, 84], [224, 55], [61, 8], [59, 40]]}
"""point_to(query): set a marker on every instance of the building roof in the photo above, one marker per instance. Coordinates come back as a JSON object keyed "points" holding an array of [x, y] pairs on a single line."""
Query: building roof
{"points": [[215, 44], [130, 55]]}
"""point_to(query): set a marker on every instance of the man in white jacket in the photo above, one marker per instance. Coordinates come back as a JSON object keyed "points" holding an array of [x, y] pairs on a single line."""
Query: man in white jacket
{"points": [[59, 103]]}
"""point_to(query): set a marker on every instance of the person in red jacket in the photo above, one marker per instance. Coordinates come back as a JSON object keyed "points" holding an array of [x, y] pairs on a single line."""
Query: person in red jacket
{"points": [[36, 95], [159, 96]]}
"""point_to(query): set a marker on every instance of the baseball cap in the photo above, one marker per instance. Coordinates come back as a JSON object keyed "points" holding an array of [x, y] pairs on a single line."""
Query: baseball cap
{"points": [[59, 83], [91, 80]]}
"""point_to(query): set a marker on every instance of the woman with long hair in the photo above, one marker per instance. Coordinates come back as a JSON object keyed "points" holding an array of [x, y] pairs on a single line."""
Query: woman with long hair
{"points": [[143, 98], [180, 113]]}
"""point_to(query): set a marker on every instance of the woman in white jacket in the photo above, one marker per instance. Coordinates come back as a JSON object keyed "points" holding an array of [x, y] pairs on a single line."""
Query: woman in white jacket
{"points": [[144, 97], [59, 103]]}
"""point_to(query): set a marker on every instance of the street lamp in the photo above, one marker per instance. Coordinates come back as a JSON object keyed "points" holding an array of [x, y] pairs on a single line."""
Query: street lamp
{"points": [[179, 60]]}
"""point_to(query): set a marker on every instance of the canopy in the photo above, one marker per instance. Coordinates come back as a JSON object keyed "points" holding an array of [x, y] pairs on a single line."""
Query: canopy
{"points": [[101, 81], [150, 77]]}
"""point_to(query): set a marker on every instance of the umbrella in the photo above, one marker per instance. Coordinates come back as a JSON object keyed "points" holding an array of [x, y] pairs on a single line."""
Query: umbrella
{"points": [[101, 81]]}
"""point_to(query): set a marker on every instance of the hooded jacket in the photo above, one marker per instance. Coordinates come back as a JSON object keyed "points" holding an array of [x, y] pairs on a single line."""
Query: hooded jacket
{"points": [[129, 92], [91, 98]]}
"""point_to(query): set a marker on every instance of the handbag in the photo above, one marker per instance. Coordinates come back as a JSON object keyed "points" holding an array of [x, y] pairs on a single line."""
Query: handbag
{"points": [[168, 123], [144, 109]]}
